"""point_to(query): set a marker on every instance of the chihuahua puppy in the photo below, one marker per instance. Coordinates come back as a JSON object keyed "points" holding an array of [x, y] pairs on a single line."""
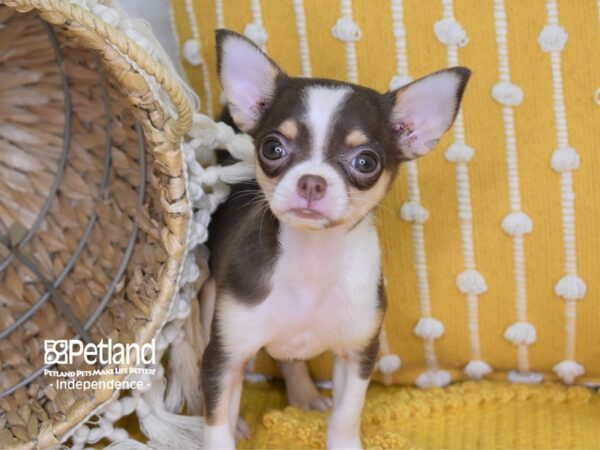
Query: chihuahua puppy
{"points": [[296, 269]]}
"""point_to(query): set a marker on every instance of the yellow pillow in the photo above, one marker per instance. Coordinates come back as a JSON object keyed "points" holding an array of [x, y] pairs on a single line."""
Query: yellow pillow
{"points": [[483, 274]]}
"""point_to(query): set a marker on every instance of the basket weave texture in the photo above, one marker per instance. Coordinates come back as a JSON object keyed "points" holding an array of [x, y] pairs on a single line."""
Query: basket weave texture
{"points": [[93, 204]]}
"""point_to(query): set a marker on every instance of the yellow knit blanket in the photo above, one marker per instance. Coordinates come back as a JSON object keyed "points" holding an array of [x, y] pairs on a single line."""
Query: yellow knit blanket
{"points": [[464, 415]]}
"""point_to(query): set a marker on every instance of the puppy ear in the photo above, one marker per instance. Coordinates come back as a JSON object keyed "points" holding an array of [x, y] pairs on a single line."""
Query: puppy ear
{"points": [[424, 110], [248, 78]]}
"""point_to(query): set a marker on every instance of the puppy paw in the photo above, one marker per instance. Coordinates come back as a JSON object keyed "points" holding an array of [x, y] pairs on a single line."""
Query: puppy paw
{"points": [[320, 403], [301, 391], [309, 399], [242, 430]]}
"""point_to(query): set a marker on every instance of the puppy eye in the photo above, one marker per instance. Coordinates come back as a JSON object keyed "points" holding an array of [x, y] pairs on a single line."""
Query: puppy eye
{"points": [[272, 149], [365, 162]]}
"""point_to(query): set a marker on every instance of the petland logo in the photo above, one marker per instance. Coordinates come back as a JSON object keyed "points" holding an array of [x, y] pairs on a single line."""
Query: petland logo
{"points": [[64, 351]]}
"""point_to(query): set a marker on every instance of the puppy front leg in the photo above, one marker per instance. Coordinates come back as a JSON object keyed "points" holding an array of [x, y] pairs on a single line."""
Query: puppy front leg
{"points": [[351, 376], [338, 379], [222, 376]]}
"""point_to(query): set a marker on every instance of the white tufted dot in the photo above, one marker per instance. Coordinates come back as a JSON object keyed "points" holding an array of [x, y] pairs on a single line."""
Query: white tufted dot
{"points": [[450, 32], [568, 370], [570, 287], [552, 38], [81, 434], [477, 369], [565, 159], [527, 378], [413, 212], [398, 81], [389, 363], [433, 378], [345, 29], [471, 282], [507, 93], [521, 333], [429, 328], [256, 33], [191, 52], [107, 14], [597, 96], [517, 223], [459, 153]]}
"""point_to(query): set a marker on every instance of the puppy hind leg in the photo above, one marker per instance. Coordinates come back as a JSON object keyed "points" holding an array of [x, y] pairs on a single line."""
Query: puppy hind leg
{"points": [[301, 391]]}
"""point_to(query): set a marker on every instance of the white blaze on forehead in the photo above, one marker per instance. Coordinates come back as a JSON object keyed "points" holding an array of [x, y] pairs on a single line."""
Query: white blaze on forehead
{"points": [[322, 102]]}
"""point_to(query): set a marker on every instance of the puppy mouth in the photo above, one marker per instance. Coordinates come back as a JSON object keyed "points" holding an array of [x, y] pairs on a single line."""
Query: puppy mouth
{"points": [[308, 213]]}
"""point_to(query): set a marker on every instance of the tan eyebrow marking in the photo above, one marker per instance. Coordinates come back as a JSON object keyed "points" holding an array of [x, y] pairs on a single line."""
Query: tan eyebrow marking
{"points": [[356, 138], [289, 129]]}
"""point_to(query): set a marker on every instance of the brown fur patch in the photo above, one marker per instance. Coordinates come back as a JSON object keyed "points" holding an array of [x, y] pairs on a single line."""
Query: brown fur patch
{"points": [[368, 357]]}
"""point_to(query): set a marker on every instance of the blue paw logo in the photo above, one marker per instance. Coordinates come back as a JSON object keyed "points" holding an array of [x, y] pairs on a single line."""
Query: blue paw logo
{"points": [[55, 351]]}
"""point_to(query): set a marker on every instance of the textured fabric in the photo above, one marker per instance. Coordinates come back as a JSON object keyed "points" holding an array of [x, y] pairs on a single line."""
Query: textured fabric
{"points": [[465, 415], [471, 288]]}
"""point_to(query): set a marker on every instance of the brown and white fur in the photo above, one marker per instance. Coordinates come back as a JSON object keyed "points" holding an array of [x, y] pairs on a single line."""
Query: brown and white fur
{"points": [[295, 259]]}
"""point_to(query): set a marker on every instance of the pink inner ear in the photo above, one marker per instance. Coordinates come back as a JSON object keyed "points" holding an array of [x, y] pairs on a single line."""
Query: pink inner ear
{"points": [[424, 111], [245, 94], [248, 79]]}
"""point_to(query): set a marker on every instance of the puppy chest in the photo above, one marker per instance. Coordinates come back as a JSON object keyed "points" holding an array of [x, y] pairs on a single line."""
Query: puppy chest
{"points": [[307, 319]]}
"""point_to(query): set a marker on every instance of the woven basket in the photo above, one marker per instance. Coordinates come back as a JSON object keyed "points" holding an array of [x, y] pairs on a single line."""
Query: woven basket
{"points": [[93, 204]]}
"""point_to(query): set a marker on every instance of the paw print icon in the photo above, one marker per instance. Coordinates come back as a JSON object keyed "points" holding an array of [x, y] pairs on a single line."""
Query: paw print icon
{"points": [[55, 351]]}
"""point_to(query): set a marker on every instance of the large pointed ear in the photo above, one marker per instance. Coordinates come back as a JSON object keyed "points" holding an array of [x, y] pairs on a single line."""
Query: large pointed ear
{"points": [[424, 110], [248, 77]]}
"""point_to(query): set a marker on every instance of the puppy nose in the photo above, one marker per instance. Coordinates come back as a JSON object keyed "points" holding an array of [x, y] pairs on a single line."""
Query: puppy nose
{"points": [[312, 187]]}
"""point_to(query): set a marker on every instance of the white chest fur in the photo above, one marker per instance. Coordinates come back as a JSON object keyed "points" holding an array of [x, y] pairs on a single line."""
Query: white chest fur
{"points": [[323, 296]]}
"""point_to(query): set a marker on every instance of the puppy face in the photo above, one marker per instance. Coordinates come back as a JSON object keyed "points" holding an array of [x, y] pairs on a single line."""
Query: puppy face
{"points": [[327, 151]]}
